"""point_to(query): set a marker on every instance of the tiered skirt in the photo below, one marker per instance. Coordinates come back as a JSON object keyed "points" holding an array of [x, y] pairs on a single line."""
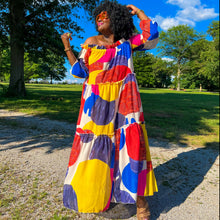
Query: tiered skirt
{"points": [[110, 158]]}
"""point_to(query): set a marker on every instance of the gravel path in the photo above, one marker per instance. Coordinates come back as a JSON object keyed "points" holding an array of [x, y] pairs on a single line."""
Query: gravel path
{"points": [[34, 153]]}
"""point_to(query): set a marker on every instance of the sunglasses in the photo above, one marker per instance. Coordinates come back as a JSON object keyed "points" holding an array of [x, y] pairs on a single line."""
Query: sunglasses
{"points": [[103, 15]]}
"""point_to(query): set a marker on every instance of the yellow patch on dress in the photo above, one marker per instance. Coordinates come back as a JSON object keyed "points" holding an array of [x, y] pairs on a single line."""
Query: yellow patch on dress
{"points": [[92, 185], [93, 75], [151, 184], [100, 129], [109, 92], [96, 55]]}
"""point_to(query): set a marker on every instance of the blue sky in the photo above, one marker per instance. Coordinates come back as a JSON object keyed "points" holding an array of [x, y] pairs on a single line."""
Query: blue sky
{"points": [[168, 13]]}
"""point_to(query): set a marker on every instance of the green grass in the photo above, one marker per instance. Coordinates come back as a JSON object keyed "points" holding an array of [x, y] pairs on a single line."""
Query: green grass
{"points": [[184, 117], [189, 117]]}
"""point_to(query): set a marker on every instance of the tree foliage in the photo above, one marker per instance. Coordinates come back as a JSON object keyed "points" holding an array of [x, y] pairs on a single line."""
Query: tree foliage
{"points": [[152, 71], [202, 69], [35, 27], [143, 69], [162, 70], [210, 57], [176, 43], [52, 68]]}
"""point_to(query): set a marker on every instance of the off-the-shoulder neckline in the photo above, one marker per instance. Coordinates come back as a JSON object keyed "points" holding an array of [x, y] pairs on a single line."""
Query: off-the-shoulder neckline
{"points": [[96, 46]]}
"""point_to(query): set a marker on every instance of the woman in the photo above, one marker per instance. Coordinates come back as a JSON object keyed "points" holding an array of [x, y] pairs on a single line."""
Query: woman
{"points": [[110, 159]]}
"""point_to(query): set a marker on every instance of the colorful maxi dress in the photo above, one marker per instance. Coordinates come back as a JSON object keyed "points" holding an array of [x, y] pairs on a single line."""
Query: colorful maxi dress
{"points": [[110, 158]]}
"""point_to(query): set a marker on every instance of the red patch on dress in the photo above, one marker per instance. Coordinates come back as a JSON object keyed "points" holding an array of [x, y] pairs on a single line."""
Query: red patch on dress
{"points": [[149, 166], [86, 58], [95, 66], [130, 100], [81, 131], [117, 143], [145, 27], [75, 150], [115, 74], [81, 110], [135, 142], [141, 117]]}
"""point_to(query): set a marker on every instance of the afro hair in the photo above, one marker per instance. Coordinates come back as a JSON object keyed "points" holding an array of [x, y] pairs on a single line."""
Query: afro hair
{"points": [[120, 17]]}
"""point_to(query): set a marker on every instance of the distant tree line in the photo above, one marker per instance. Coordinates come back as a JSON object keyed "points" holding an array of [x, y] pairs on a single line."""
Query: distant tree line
{"points": [[30, 48]]}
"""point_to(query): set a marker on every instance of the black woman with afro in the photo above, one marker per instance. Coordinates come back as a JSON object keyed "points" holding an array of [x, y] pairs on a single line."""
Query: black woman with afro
{"points": [[110, 158]]}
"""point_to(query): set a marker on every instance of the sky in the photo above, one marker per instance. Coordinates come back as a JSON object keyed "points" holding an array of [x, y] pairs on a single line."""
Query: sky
{"points": [[167, 13]]}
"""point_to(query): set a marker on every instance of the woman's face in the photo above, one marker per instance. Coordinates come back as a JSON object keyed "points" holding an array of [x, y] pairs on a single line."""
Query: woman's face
{"points": [[103, 22]]}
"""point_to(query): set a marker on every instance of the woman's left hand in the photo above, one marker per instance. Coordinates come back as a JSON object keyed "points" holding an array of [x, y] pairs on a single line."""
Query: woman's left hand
{"points": [[133, 9]]}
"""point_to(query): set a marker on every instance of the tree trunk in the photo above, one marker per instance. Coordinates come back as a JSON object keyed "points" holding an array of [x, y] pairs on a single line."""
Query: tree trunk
{"points": [[17, 86], [178, 77], [51, 79]]}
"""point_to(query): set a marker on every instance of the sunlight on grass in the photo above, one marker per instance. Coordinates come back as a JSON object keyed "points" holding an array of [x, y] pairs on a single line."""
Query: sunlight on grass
{"points": [[189, 117]]}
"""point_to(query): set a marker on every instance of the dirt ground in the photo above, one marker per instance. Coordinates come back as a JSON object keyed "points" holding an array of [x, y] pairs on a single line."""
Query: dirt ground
{"points": [[34, 154]]}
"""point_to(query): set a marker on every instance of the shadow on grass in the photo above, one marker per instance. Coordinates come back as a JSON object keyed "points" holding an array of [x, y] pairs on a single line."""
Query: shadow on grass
{"points": [[55, 105], [177, 179], [169, 115], [173, 116]]}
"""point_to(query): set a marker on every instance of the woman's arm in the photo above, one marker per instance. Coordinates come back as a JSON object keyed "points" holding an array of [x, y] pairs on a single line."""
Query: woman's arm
{"points": [[136, 11], [148, 39], [70, 55], [79, 69]]}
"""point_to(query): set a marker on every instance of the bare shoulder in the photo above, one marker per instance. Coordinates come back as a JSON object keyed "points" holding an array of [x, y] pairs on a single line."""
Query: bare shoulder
{"points": [[91, 40]]}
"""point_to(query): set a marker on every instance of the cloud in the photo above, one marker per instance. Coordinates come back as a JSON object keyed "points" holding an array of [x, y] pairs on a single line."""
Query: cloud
{"points": [[197, 14], [191, 11], [184, 3], [167, 59], [166, 23]]}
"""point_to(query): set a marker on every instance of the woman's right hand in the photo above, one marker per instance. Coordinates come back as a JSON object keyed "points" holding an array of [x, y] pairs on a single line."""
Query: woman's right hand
{"points": [[65, 39]]}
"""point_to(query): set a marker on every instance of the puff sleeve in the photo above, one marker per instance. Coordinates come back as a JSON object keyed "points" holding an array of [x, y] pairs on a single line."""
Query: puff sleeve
{"points": [[149, 37], [80, 68]]}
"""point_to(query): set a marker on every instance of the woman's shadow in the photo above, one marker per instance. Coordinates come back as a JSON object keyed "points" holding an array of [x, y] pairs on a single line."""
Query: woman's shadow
{"points": [[176, 179]]}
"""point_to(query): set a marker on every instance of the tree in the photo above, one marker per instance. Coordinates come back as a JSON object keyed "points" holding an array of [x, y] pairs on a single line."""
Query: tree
{"points": [[34, 27], [162, 71], [53, 68], [31, 69], [176, 43], [143, 69], [210, 57], [192, 77], [4, 63]]}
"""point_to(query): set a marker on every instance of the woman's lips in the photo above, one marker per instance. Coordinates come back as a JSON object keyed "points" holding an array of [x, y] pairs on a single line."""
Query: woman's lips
{"points": [[100, 23]]}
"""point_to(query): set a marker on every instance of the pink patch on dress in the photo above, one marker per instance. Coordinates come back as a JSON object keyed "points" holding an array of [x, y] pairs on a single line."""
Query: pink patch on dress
{"points": [[142, 179], [107, 206], [108, 56], [136, 40], [95, 89]]}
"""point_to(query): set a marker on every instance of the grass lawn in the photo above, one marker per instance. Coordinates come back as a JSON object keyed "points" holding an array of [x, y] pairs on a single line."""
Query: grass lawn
{"points": [[188, 117]]}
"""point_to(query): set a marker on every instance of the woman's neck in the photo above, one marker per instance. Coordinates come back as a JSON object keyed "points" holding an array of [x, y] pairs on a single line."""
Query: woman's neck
{"points": [[109, 39]]}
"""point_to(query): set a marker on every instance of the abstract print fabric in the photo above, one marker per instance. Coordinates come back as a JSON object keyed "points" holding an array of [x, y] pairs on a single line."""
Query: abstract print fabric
{"points": [[110, 158]]}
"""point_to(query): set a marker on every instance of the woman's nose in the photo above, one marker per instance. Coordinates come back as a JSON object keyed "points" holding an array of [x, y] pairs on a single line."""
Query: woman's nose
{"points": [[99, 19]]}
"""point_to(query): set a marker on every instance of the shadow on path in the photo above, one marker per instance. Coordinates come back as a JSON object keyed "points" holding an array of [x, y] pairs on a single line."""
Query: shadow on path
{"points": [[177, 179], [26, 132]]}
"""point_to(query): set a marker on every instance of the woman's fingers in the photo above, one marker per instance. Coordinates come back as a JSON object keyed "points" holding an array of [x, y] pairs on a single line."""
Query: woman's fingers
{"points": [[66, 36], [69, 36], [133, 9]]}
